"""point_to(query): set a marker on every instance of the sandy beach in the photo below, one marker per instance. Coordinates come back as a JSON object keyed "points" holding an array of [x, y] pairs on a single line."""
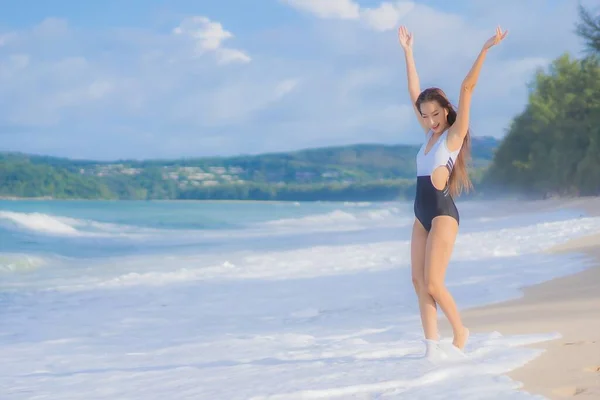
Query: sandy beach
{"points": [[569, 305]]}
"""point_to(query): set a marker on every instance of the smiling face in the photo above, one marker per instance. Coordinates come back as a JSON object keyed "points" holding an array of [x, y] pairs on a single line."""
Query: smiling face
{"points": [[434, 115]]}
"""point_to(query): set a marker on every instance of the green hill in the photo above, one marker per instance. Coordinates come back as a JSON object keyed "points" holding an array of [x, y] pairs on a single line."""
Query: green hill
{"points": [[356, 172]]}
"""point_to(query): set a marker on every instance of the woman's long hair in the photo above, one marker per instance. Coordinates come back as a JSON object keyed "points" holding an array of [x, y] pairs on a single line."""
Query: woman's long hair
{"points": [[459, 176]]}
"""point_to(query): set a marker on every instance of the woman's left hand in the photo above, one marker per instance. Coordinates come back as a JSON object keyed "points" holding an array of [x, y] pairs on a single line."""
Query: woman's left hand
{"points": [[494, 40]]}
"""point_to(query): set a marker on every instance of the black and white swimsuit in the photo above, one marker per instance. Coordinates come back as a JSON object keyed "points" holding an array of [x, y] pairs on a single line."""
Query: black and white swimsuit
{"points": [[431, 202]]}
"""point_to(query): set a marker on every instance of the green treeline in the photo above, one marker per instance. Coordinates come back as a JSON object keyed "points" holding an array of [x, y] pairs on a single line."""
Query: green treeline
{"points": [[552, 148], [21, 178], [348, 173]]}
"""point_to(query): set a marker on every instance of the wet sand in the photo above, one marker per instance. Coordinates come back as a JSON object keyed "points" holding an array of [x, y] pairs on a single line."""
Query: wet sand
{"points": [[569, 305]]}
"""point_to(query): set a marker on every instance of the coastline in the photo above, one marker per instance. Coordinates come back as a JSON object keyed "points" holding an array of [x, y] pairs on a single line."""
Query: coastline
{"points": [[568, 305]]}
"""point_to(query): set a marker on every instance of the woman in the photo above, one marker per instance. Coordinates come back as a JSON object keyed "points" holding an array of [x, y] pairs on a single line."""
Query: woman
{"points": [[441, 175]]}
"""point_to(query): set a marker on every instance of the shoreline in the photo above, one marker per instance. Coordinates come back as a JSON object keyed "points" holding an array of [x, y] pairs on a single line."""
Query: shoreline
{"points": [[573, 202], [568, 305]]}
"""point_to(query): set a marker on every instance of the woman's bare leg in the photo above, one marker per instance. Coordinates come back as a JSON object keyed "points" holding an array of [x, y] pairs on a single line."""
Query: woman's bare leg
{"points": [[427, 305], [440, 243]]}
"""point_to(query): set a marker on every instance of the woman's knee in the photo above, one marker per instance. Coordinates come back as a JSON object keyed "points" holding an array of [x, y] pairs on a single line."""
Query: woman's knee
{"points": [[419, 284], [434, 288]]}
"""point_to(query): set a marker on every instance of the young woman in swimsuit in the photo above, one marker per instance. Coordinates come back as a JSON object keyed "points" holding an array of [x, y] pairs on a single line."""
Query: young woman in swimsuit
{"points": [[441, 175]]}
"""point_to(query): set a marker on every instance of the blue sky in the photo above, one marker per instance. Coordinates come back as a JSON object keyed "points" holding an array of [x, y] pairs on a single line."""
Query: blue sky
{"points": [[181, 78]]}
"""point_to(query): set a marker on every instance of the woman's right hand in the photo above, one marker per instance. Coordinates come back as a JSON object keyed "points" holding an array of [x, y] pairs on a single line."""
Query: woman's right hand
{"points": [[494, 40], [405, 38]]}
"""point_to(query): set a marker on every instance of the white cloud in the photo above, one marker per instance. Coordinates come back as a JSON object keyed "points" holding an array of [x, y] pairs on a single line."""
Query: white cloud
{"points": [[227, 56], [51, 28], [99, 89], [382, 18], [285, 87], [504, 78], [209, 36], [12, 64], [387, 15], [232, 103], [6, 38], [342, 9]]}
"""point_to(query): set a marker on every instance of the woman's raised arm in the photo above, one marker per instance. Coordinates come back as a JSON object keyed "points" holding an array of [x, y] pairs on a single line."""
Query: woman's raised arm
{"points": [[458, 130], [414, 87]]}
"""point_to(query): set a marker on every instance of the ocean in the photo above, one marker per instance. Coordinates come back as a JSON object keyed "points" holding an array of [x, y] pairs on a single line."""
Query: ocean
{"points": [[258, 300]]}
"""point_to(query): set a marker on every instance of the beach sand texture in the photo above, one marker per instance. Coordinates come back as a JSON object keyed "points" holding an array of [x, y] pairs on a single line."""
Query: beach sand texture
{"points": [[569, 305]]}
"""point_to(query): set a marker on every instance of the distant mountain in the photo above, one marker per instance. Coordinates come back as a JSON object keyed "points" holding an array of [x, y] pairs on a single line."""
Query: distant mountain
{"points": [[263, 176]]}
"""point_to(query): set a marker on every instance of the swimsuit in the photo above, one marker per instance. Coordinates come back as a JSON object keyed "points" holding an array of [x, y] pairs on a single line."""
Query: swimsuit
{"points": [[431, 202]]}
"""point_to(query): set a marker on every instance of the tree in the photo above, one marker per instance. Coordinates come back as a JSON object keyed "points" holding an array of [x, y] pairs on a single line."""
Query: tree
{"points": [[588, 28], [553, 146]]}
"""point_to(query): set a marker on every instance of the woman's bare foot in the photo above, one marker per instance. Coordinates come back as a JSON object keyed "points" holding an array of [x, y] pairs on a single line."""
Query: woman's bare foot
{"points": [[460, 338]]}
